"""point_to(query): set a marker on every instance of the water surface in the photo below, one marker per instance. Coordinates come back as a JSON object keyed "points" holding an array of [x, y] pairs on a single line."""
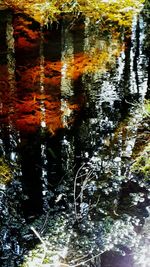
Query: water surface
{"points": [[69, 117]]}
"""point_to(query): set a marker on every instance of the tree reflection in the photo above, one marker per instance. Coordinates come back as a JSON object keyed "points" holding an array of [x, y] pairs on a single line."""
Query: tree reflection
{"points": [[72, 132]]}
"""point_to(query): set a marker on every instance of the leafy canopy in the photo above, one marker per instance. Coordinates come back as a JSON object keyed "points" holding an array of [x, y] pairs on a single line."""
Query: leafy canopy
{"points": [[42, 11]]}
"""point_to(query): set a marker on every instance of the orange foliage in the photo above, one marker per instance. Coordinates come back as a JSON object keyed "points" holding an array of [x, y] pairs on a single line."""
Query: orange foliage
{"points": [[29, 114], [25, 36], [26, 112], [37, 94]]}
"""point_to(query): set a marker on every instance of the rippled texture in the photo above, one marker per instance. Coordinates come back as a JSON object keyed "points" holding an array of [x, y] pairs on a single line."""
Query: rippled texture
{"points": [[73, 123]]}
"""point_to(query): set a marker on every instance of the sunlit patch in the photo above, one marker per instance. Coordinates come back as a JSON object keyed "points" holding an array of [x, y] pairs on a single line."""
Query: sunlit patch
{"points": [[142, 257], [141, 252]]}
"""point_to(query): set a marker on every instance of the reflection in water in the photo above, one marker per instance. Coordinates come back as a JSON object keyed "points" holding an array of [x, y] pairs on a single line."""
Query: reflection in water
{"points": [[69, 123], [67, 59], [10, 54], [42, 91]]}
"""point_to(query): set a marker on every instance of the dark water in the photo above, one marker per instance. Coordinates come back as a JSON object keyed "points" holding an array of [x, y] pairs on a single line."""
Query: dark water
{"points": [[70, 98]]}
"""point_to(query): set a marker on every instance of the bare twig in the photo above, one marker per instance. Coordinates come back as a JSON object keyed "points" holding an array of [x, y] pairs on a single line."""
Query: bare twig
{"points": [[75, 185], [90, 259], [43, 243], [94, 205]]}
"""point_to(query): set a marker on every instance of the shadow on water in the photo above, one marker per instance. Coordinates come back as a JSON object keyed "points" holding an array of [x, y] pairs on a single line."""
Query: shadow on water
{"points": [[70, 102]]}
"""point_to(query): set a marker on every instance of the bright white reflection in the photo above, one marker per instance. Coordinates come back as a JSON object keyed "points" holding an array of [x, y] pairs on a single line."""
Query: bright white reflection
{"points": [[108, 93], [142, 251]]}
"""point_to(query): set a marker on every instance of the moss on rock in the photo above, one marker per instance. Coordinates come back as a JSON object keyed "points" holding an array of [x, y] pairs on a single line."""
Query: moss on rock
{"points": [[142, 163], [5, 172]]}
